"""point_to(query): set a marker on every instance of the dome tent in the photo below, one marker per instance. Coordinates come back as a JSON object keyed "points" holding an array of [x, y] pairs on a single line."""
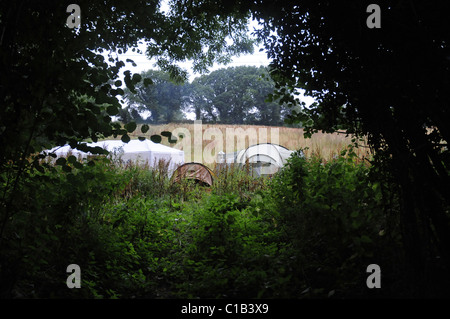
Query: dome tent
{"points": [[196, 171], [264, 159], [136, 151]]}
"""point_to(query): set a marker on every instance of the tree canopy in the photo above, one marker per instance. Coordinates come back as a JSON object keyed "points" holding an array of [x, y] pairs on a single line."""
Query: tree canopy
{"points": [[233, 95], [236, 95], [163, 100], [388, 83]]}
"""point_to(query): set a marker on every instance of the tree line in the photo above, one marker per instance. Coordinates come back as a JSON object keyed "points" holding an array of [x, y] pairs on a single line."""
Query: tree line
{"points": [[233, 95]]}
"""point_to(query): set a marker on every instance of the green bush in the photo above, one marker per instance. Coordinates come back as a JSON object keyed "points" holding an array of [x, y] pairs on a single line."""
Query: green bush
{"points": [[310, 231], [231, 252], [53, 222], [333, 214]]}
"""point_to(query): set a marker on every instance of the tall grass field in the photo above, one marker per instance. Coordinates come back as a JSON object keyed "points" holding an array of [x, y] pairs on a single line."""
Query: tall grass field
{"points": [[324, 145]]}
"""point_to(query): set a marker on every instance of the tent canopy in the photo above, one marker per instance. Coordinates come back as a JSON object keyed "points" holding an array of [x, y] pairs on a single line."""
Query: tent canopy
{"points": [[264, 159], [139, 152], [195, 171]]}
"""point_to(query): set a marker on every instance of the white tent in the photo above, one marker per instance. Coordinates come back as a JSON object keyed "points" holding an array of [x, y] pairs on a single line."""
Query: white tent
{"points": [[264, 159], [139, 152]]}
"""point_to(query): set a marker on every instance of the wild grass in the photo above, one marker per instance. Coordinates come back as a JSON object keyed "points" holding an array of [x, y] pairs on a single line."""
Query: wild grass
{"points": [[323, 145]]}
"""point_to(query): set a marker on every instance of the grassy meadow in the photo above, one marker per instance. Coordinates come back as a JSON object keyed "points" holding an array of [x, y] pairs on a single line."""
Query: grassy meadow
{"points": [[323, 145]]}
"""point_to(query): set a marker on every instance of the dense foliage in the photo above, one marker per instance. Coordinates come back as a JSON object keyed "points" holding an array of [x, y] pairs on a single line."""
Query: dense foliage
{"points": [[233, 95], [310, 231], [57, 85], [161, 102], [388, 83], [236, 95]]}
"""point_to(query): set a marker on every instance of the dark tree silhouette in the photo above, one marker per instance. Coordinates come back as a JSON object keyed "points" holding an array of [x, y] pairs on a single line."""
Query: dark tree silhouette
{"points": [[389, 83]]}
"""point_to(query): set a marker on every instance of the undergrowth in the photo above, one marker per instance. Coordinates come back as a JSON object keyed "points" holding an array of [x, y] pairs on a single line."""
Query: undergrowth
{"points": [[307, 232]]}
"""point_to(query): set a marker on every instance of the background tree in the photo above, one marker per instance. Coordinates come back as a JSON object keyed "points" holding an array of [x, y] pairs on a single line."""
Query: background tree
{"points": [[164, 99], [236, 95], [200, 101]]}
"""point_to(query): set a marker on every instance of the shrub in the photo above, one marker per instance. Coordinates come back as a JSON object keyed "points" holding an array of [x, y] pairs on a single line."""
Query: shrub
{"points": [[333, 215], [53, 222], [231, 252]]}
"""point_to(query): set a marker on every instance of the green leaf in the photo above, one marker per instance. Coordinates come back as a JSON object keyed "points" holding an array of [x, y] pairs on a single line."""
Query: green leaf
{"points": [[147, 82], [132, 62], [130, 127], [128, 81], [366, 239], [61, 161], [136, 78], [156, 138], [112, 110], [125, 138], [38, 167], [71, 159], [166, 134], [78, 165], [141, 138], [99, 150], [66, 168], [145, 128]]}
